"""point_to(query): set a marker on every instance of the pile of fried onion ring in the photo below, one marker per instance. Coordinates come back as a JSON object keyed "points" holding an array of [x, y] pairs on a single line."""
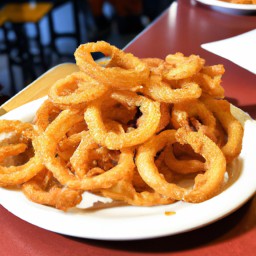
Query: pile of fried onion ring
{"points": [[131, 129]]}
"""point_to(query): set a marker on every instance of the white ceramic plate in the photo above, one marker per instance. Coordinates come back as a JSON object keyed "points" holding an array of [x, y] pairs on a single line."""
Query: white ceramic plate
{"points": [[229, 7], [129, 222]]}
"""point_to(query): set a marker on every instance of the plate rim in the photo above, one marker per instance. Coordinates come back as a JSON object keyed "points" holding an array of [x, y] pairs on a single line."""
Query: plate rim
{"points": [[226, 5]]}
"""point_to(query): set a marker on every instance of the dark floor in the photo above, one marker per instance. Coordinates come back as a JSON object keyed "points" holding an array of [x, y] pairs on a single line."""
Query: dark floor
{"points": [[67, 46]]}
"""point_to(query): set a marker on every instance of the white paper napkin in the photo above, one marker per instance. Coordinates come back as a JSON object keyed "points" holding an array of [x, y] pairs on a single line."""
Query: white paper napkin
{"points": [[240, 49]]}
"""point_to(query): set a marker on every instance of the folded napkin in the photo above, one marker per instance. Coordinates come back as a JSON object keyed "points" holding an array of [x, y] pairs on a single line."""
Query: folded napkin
{"points": [[239, 49]]}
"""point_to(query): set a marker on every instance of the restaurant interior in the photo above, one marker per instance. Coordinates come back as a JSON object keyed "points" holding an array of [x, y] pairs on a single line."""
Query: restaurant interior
{"points": [[38, 35]]}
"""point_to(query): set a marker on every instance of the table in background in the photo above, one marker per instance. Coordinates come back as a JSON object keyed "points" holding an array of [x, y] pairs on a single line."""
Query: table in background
{"points": [[183, 27]]}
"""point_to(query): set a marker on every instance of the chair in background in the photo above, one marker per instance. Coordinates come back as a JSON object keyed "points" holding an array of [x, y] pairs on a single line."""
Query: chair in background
{"points": [[55, 34], [18, 43], [28, 52]]}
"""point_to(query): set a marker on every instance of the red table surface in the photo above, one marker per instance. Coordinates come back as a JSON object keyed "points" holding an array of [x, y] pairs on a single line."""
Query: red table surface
{"points": [[183, 27]]}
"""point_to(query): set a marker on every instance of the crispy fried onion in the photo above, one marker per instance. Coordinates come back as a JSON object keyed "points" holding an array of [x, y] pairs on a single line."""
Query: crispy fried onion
{"points": [[209, 80], [206, 185], [177, 66], [77, 88], [45, 189], [184, 165], [124, 191], [124, 70], [48, 143], [22, 165], [171, 91], [147, 126], [46, 113], [194, 116], [232, 127]]}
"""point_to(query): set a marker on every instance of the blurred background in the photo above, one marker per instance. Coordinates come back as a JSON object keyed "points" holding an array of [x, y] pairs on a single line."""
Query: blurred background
{"points": [[37, 35]]}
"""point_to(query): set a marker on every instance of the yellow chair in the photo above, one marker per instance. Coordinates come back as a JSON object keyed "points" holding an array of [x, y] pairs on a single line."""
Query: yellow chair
{"points": [[19, 14], [16, 16], [26, 12]]}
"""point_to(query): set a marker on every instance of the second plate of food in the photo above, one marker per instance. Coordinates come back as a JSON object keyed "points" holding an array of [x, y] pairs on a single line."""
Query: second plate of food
{"points": [[228, 7]]}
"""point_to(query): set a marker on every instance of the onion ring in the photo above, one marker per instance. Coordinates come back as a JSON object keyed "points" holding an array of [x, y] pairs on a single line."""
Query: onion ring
{"points": [[12, 150], [76, 89], [47, 145], [183, 166], [206, 185], [150, 116], [125, 71], [166, 91], [15, 175], [195, 114], [209, 79], [125, 191], [177, 66], [232, 127], [45, 114], [43, 189]]}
